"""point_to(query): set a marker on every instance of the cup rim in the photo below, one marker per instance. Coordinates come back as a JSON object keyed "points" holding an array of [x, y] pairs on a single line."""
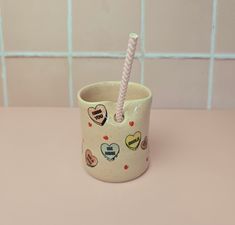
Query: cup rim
{"points": [[103, 83]]}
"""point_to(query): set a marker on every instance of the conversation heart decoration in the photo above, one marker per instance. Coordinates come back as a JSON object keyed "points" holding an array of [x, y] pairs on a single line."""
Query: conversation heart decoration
{"points": [[98, 114], [111, 151], [144, 143], [133, 141], [91, 160]]}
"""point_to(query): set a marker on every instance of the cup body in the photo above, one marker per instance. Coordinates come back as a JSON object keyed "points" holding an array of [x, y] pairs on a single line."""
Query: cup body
{"points": [[112, 151]]}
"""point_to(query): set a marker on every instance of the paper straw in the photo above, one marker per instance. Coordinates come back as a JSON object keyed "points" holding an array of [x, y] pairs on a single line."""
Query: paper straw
{"points": [[126, 75]]}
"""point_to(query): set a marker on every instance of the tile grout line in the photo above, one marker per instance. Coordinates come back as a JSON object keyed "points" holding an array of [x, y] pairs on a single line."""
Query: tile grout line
{"points": [[3, 64], [225, 56], [70, 51], [177, 55], [142, 42], [117, 55], [212, 55]]}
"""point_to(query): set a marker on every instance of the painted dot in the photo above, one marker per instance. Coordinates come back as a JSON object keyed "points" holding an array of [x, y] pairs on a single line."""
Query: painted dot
{"points": [[131, 123], [90, 124], [126, 167], [106, 137]]}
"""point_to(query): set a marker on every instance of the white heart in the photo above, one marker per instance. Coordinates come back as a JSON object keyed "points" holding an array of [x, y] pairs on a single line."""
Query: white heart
{"points": [[98, 114], [111, 151]]}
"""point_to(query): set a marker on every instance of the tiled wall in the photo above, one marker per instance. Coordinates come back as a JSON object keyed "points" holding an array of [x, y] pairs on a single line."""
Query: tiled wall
{"points": [[50, 49]]}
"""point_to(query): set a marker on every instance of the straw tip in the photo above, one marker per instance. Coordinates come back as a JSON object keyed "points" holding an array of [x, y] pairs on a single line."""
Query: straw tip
{"points": [[133, 35]]}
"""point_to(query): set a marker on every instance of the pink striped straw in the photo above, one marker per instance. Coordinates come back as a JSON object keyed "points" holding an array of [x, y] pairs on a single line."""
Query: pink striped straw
{"points": [[126, 75]]}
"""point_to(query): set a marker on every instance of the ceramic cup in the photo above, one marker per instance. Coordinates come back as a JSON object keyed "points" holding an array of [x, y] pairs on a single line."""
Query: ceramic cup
{"points": [[112, 151]]}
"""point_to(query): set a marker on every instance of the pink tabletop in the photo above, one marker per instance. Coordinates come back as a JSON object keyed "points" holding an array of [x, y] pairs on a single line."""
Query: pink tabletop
{"points": [[191, 180]]}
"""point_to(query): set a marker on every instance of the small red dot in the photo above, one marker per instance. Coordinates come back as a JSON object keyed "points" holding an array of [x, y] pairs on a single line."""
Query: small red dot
{"points": [[126, 167], [131, 123], [90, 124], [106, 138]]}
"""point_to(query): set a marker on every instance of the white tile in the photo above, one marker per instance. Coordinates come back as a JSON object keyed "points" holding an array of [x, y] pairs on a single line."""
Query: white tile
{"points": [[178, 26], [226, 26], [177, 83], [31, 25], [103, 25], [1, 92], [37, 82], [224, 83]]}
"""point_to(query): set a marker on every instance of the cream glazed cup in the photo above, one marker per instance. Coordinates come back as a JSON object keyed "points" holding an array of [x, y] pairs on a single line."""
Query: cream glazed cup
{"points": [[112, 151]]}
